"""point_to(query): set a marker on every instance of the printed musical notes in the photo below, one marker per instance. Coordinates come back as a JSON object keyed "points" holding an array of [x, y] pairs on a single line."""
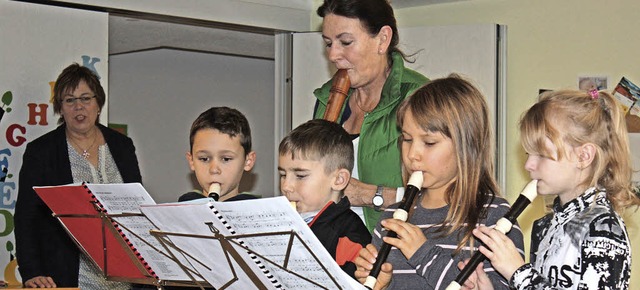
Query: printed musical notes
{"points": [[266, 228], [103, 217]]}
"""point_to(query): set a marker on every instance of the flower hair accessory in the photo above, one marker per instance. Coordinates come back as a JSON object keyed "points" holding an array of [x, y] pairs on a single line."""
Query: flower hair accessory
{"points": [[594, 94]]}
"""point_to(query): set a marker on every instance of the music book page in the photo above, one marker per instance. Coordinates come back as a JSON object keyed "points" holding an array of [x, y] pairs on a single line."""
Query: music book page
{"points": [[78, 207], [204, 253], [271, 220], [127, 198]]}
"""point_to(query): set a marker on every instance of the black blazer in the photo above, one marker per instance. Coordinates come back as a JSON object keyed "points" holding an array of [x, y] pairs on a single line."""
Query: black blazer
{"points": [[43, 247]]}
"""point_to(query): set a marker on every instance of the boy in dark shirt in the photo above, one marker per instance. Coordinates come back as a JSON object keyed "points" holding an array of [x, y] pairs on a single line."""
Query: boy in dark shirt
{"points": [[220, 152], [315, 163]]}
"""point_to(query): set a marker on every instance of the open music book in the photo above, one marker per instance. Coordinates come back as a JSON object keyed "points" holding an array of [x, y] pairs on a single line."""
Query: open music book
{"points": [[230, 242], [106, 223]]}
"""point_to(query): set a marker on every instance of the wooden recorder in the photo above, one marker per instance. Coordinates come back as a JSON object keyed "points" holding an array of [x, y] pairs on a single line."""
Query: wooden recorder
{"points": [[337, 95]]}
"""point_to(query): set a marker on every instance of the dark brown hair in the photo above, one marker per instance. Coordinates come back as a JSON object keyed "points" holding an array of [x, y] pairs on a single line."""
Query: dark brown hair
{"points": [[320, 140], [69, 79], [226, 120], [373, 15]]}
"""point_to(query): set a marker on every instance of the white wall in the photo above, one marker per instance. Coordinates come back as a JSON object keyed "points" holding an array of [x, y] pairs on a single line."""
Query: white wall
{"points": [[159, 93]]}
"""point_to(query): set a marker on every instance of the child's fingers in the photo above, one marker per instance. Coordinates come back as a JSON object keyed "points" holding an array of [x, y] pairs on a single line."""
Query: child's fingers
{"points": [[468, 284], [371, 250], [481, 235], [361, 274], [384, 278], [404, 230], [392, 224], [410, 237], [500, 250], [362, 263], [492, 238], [366, 257], [461, 264]]}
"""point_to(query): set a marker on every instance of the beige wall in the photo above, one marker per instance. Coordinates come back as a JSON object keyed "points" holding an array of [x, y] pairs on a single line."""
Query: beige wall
{"points": [[550, 43]]}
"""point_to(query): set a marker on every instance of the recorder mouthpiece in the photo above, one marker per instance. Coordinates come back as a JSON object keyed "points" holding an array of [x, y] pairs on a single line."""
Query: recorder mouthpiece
{"points": [[214, 191]]}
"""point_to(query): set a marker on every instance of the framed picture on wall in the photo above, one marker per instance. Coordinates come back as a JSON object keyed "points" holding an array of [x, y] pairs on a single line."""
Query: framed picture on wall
{"points": [[122, 128], [587, 83], [628, 94]]}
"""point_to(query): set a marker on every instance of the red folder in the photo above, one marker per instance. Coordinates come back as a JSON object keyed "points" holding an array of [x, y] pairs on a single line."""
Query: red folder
{"points": [[86, 221]]}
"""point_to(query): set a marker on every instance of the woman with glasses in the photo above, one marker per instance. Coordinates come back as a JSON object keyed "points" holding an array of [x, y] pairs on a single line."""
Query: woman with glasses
{"points": [[79, 150]]}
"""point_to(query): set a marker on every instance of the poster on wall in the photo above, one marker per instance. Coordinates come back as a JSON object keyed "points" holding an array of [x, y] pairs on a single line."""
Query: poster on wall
{"points": [[587, 83], [628, 94], [38, 42]]}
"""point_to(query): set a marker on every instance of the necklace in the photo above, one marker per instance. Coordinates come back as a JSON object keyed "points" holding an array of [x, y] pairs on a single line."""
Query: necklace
{"points": [[357, 99], [85, 152]]}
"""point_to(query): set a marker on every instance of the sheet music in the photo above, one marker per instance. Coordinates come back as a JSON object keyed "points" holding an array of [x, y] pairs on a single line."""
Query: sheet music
{"points": [[127, 198], [206, 255], [121, 198], [266, 215], [274, 215]]}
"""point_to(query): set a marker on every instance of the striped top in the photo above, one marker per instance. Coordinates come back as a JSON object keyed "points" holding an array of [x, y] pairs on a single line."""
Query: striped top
{"points": [[433, 266]]}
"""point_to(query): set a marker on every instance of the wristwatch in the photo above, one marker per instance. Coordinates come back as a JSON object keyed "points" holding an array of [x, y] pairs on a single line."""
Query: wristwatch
{"points": [[378, 200]]}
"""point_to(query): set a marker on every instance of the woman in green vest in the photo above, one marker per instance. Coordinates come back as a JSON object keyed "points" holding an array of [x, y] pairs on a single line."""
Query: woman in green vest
{"points": [[361, 36]]}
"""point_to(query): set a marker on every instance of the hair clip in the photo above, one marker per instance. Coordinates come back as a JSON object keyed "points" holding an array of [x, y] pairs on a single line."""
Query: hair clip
{"points": [[595, 95]]}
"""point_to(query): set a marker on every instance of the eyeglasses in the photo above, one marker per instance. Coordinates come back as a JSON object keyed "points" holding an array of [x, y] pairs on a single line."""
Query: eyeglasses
{"points": [[72, 100]]}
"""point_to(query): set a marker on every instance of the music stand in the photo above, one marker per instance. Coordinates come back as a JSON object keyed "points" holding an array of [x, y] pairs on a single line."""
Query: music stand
{"points": [[96, 235], [232, 254]]}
